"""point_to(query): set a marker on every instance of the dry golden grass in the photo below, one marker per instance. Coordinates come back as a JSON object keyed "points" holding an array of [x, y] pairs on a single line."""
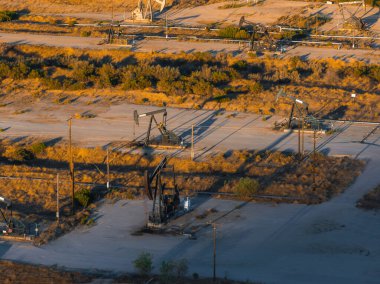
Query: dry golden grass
{"points": [[277, 173], [12, 273]]}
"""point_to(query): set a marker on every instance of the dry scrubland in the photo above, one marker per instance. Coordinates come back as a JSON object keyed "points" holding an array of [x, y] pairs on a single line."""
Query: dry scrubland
{"points": [[241, 173], [197, 80], [371, 200], [14, 273]]}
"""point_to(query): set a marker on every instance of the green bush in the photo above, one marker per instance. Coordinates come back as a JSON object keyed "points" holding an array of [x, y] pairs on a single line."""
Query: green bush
{"points": [[256, 88], [167, 271], [37, 148], [17, 153], [85, 33], [82, 71], [144, 264], [83, 197], [7, 16], [170, 270], [107, 76], [246, 187], [233, 32]]}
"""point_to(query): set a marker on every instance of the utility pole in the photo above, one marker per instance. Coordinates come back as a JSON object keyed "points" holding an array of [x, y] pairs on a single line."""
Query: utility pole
{"points": [[192, 142], [71, 162], [303, 137], [314, 155], [214, 255], [166, 26], [57, 215], [299, 138], [108, 168]]}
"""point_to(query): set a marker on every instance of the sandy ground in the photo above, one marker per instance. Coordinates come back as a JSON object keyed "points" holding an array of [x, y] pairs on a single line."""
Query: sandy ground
{"points": [[267, 13], [289, 243], [369, 56]]}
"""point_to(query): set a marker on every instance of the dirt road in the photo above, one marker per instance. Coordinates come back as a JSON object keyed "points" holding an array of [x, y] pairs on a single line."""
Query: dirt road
{"points": [[173, 46]]}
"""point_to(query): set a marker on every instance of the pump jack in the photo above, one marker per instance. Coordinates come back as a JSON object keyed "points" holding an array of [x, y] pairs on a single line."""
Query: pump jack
{"points": [[252, 29], [168, 137], [302, 112], [10, 225], [165, 202]]}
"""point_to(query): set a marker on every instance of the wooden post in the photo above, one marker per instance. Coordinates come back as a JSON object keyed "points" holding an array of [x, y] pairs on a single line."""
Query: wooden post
{"points": [[299, 137], [71, 168], [314, 156], [214, 254], [57, 215], [108, 169], [192, 142], [303, 137]]}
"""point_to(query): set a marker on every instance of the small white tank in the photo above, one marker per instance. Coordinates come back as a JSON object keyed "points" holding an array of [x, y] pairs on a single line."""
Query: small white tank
{"points": [[187, 204]]}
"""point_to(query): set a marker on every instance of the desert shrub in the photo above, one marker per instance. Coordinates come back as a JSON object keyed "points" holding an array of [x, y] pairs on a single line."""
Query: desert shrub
{"points": [[357, 70], [20, 71], [240, 65], [5, 70], [169, 74], [107, 76], [176, 88], [83, 197], [203, 88], [374, 72], [71, 22], [246, 187], [85, 33], [17, 153], [136, 80], [51, 83], [256, 88], [233, 32], [167, 271], [7, 16], [182, 268], [82, 71], [37, 148], [144, 263], [36, 73]]}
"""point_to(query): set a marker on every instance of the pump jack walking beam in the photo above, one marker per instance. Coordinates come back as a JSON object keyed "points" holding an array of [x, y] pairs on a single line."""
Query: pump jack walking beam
{"points": [[295, 104], [161, 126]]}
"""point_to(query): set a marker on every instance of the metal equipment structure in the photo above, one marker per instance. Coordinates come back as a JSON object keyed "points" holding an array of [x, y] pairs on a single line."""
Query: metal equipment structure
{"points": [[168, 138], [145, 12], [303, 111], [9, 226], [166, 202], [352, 19], [253, 29]]}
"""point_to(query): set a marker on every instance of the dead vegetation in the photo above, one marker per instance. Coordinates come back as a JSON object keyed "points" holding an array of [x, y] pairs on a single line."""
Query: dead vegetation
{"points": [[17, 273], [371, 200], [31, 183], [14, 273]]}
